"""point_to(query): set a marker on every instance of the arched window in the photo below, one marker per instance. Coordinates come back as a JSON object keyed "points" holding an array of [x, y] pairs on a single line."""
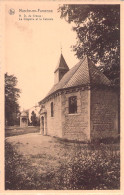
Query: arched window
{"points": [[72, 104], [52, 111], [24, 120]]}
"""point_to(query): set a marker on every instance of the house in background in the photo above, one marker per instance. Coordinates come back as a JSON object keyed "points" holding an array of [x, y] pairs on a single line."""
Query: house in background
{"points": [[24, 119], [26, 116], [82, 105]]}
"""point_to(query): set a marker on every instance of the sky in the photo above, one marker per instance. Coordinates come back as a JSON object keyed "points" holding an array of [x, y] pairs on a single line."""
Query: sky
{"points": [[33, 49]]}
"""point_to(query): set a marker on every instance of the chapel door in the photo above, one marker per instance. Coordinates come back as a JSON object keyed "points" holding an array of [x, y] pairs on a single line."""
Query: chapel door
{"points": [[42, 121]]}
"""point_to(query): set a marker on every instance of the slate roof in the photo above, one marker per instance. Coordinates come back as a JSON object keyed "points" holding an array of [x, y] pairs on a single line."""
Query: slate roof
{"points": [[83, 73], [62, 64]]}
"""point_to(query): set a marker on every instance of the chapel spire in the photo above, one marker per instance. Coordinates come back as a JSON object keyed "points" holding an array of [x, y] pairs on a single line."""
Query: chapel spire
{"points": [[61, 69]]}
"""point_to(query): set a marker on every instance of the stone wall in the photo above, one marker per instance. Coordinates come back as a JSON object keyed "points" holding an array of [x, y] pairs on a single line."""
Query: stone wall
{"points": [[104, 113], [54, 127], [76, 126]]}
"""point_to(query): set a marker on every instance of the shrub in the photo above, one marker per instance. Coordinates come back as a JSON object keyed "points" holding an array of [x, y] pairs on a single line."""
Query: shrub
{"points": [[84, 167], [97, 169]]}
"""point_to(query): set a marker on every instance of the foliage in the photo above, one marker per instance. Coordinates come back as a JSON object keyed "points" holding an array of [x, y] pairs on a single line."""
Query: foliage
{"points": [[34, 119], [93, 167], [98, 34], [12, 93], [20, 175], [11, 164], [90, 170]]}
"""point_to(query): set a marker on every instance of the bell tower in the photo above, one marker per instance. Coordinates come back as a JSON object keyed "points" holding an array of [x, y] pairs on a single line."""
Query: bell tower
{"points": [[60, 70]]}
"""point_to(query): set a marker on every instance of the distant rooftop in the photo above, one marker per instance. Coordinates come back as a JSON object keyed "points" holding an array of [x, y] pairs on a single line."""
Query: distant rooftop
{"points": [[24, 114]]}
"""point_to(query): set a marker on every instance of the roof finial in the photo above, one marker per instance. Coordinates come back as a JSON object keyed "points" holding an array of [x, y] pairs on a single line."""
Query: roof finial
{"points": [[61, 47]]}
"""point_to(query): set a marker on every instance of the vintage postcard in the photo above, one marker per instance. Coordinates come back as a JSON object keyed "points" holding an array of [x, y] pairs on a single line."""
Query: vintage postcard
{"points": [[61, 97]]}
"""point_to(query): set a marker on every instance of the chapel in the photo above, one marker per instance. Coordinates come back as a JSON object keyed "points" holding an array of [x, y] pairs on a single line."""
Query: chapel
{"points": [[82, 104]]}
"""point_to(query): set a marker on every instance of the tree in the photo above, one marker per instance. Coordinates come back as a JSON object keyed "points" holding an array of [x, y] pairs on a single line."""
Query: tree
{"points": [[98, 34], [34, 118], [11, 100]]}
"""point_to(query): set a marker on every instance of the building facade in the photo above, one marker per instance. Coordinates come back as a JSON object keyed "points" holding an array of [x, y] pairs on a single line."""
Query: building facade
{"points": [[82, 105], [24, 119]]}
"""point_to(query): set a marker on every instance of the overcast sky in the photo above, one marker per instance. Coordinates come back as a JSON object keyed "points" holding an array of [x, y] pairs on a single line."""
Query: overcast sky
{"points": [[33, 49]]}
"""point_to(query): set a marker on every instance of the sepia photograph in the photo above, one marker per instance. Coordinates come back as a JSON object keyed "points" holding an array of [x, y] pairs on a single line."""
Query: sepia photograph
{"points": [[62, 96]]}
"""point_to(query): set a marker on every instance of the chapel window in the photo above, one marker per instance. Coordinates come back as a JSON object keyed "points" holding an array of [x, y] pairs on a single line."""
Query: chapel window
{"points": [[52, 111], [72, 104]]}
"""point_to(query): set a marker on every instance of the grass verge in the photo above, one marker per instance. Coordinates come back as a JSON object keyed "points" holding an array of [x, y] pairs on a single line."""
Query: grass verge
{"points": [[90, 167], [16, 130]]}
